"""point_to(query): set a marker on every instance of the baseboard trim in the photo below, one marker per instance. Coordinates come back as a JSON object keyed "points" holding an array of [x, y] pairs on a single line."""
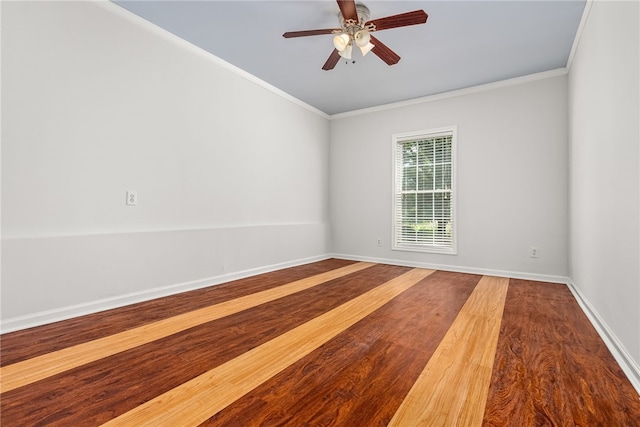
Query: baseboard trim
{"points": [[65, 313], [619, 352], [459, 269]]}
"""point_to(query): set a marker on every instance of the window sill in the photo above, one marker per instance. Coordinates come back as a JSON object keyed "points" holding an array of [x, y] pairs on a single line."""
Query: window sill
{"points": [[426, 249]]}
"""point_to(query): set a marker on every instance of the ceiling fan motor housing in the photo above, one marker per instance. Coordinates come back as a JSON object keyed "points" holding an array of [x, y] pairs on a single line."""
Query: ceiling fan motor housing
{"points": [[351, 26]]}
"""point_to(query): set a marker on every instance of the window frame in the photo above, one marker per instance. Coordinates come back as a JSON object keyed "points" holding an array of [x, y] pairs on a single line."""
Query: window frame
{"points": [[397, 141]]}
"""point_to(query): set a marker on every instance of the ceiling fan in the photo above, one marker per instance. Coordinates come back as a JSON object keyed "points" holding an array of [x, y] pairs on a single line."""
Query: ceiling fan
{"points": [[356, 28]]}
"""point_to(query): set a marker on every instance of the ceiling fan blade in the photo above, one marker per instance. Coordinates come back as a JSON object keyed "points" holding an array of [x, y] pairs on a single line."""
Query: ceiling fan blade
{"points": [[383, 52], [348, 9], [305, 33], [332, 61], [401, 20]]}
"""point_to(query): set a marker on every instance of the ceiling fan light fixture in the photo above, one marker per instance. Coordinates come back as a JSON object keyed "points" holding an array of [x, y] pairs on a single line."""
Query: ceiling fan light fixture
{"points": [[362, 38], [346, 52], [366, 48], [341, 41], [356, 28]]}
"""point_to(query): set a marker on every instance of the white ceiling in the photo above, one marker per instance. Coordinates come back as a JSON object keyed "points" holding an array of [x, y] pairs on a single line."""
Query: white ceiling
{"points": [[463, 44]]}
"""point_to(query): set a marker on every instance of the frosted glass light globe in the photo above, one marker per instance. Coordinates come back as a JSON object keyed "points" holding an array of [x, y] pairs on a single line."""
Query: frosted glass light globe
{"points": [[341, 41], [362, 38]]}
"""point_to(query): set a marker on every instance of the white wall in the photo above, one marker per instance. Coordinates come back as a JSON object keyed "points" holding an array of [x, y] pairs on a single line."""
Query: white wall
{"points": [[604, 103], [511, 178], [232, 177]]}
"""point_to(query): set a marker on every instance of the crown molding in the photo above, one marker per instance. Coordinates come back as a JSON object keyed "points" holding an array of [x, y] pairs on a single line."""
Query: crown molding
{"points": [[578, 37], [454, 93], [172, 38]]}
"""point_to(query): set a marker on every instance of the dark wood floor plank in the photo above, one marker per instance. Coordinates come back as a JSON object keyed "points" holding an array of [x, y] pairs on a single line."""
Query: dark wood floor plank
{"points": [[28, 343], [96, 392], [552, 368], [360, 377]]}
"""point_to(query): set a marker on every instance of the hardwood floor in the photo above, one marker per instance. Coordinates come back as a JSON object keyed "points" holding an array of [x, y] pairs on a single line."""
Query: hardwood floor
{"points": [[330, 343], [452, 388]]}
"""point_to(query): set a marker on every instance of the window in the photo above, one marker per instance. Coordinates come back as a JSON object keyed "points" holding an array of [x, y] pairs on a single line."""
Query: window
{"points": [[424, 195]]}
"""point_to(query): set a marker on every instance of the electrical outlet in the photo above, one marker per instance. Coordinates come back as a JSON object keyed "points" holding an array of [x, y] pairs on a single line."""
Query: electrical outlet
{"points": [[132, 198], [533, 252], [379, 242]]}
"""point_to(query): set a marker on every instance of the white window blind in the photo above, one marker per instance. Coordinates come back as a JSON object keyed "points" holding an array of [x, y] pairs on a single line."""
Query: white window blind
{"points": [[424, 192]]}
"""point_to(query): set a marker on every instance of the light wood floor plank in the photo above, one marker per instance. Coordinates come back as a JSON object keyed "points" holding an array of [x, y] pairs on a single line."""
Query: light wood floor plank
{"points": [[452, 389], [197, 400], [37, 368]]}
